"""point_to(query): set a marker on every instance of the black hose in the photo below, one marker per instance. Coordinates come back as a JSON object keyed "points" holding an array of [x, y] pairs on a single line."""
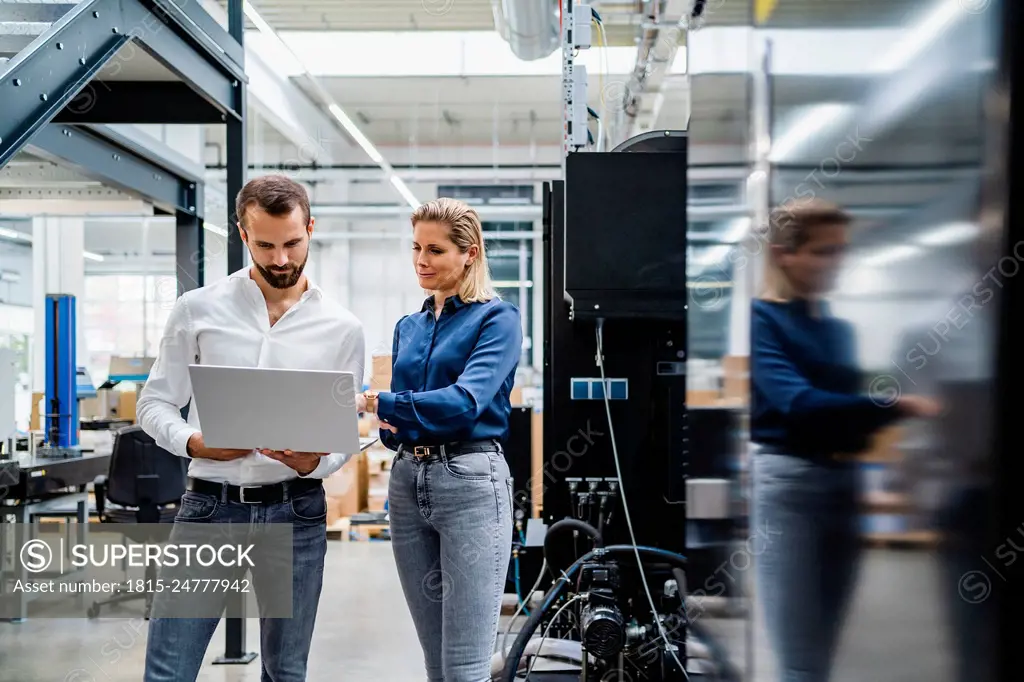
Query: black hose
{"points": [[726, 670], [515, 654], [574, 524]]}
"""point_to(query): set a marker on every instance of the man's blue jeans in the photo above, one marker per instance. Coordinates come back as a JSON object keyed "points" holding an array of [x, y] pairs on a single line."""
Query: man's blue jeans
{"points": [[176, 646]]}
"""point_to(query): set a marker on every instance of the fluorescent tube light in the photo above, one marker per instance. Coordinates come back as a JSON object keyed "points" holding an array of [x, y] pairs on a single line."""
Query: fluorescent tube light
{"points": [[916, 40], [954, 233], [346, 122], [404, 191], [215, 229], [14, 234], [355, 132], [891, 255]]}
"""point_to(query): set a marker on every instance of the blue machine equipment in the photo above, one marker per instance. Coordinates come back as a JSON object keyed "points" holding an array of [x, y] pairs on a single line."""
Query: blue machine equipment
{"points": [[61, 377]]}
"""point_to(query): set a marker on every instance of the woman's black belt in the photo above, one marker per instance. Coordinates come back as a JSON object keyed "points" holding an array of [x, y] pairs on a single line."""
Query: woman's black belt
{"points": [[435, 452]]}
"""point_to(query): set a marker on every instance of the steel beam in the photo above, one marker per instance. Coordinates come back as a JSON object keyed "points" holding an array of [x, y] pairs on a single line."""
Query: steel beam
{"points": [[234, 628], [139, 102], [45, 77], [236, 142], [119, 166], [189, 251]]}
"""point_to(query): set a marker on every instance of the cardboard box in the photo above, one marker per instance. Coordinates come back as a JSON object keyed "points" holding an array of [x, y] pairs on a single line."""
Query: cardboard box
{"points": [[378, 492], [736, 379], [335, 510], [346, 489], [380, 376], [126, 405], [35, 419], [696, 398]]}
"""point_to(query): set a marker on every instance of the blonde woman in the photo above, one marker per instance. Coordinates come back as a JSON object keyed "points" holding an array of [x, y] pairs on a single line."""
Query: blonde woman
{"points": [[446, 416], [808, 414]]}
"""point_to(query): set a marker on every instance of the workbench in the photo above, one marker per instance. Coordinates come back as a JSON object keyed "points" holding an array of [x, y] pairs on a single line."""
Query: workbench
{"points": [[31, 487]]}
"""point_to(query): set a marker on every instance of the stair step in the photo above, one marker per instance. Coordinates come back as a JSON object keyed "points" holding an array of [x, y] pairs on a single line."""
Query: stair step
{"points": [[21, 22], [45, 11], [15, 36]]}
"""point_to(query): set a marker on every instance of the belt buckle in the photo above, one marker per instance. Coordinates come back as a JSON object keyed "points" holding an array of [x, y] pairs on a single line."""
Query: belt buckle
{"points": [[241, 494], [420, 451]]}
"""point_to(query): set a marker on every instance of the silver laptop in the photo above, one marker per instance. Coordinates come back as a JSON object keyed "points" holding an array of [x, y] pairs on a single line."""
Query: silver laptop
{"points": [[277, 409]]}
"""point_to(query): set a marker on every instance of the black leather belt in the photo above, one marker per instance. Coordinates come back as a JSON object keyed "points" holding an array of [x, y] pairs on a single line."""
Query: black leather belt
{"points": [[273, 493], [433, 453]]}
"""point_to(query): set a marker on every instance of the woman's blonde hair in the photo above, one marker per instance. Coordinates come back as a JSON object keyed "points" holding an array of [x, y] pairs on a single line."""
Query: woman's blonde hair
{"points": [[464, 230], [789, 228]]}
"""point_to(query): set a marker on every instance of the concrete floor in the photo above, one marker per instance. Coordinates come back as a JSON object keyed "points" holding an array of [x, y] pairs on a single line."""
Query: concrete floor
{"points": [[896, 631]]}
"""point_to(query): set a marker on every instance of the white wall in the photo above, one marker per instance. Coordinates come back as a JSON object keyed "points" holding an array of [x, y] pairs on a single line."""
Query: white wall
{"points": [[16, 258]]}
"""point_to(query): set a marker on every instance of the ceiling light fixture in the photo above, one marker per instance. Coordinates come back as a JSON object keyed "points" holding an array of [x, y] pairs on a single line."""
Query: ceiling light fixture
{"points": [[824, 116], [334, 108]]}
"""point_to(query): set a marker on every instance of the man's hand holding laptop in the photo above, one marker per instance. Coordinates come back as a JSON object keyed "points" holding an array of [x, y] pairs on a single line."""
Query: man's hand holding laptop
{"points": [[197, 449], [302, 462]]}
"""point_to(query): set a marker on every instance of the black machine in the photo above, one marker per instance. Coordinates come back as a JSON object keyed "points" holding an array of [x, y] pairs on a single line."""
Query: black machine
{"points": [[615, 426]]}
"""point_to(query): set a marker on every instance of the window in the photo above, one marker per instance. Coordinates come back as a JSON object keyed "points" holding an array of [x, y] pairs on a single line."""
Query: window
{"points": [[125, 315], [510, 258]]}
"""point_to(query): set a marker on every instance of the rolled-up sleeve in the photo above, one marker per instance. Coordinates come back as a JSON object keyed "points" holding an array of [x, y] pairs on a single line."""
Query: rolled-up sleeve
{"points": [[169, 388]]}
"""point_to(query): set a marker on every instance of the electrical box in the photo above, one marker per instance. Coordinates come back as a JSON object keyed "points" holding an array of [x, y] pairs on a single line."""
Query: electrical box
{"points": [[582, 16], [579, 105], [625, 234]]}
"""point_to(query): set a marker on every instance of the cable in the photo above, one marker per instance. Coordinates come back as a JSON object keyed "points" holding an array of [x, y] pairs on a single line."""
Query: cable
{"points": [[509, 672], [622, 494], [540, 647], [522, 604], [727, 671], [602, 72], [519, 589]]}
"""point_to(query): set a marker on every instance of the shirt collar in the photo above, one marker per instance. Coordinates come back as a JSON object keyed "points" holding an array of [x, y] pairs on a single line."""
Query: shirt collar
{"points": [[817, 308], [453, 303], [311, 287]]}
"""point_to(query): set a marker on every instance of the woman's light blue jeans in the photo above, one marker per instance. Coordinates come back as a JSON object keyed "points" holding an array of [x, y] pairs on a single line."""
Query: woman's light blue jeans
{"points": [[806, 574], [451, 530]]}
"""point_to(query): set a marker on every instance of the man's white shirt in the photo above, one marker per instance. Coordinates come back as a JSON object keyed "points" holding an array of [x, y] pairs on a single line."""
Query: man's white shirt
{"points": [[227, 323]]}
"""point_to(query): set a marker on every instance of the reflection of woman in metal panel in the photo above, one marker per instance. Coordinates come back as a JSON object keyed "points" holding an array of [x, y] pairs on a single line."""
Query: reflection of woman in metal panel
{"points": [[808, 415], [450, 492]]}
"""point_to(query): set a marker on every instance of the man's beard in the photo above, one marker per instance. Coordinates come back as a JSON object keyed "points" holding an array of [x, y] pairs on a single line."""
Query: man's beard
{"points": [[282, 280]]}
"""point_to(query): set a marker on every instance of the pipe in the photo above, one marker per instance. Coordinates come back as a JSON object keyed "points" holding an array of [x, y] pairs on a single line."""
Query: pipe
{"points": [[509, 673], [530, 27]]}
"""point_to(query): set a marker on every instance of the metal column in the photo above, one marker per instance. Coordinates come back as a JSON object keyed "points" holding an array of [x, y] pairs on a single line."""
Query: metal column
{"points": [[61, 374], [1003, 203], [190, 252], [237, 160], [234, 632]]}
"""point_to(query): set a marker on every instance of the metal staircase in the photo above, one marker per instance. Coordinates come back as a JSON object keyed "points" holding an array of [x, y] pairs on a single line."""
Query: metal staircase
{"points": [[117, 57]]}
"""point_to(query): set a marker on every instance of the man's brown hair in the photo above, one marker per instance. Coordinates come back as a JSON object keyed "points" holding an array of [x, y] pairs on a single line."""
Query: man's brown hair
{"points": [[275, 194]]}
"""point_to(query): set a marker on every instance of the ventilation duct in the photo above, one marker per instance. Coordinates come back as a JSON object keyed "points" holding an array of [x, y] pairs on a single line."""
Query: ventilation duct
{"points": [[530, 27]]}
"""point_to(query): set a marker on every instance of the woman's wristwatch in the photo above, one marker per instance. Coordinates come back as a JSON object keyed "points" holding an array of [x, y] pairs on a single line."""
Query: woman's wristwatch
{"points": [[371, 401]]}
